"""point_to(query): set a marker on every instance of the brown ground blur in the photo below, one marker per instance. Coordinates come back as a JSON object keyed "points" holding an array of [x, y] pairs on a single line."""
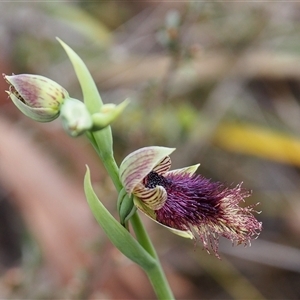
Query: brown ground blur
{"points": [[223, 87]]}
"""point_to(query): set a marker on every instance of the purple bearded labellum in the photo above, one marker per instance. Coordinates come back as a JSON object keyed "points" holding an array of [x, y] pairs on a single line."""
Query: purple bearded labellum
{"points": [[187, 204]]}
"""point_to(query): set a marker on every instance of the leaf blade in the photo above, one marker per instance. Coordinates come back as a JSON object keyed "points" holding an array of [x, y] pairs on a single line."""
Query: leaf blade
{"points": [[91, 96], [117, 234]]}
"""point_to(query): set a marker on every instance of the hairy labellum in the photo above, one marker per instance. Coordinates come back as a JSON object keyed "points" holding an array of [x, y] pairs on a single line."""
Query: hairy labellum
{"points": [[189, 205]]}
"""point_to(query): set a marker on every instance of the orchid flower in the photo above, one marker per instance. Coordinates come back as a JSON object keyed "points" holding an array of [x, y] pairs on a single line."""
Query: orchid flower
{"points": [[187, 204]]}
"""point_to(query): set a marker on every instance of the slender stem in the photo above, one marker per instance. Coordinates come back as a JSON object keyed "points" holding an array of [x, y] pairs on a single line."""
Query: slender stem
{"points": [[108, 161], [156, 274], [113, 170], [159, 283], [142, 235]]}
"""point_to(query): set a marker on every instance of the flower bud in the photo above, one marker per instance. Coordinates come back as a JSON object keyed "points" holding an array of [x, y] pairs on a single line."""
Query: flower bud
{"points": [[108, 113], [126, 207], [76, 118], [38, 97]]}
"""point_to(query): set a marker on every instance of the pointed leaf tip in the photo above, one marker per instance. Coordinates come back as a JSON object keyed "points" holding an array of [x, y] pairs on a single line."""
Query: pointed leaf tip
{"points": [[91, 96]]}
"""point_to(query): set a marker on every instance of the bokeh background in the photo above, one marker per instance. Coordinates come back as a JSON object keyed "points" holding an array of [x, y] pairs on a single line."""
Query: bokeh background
{"points": [[218, 81]]}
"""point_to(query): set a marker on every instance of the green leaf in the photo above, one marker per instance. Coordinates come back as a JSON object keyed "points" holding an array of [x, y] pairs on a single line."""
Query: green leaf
{"points": [[117, 234], [101, 140], [91, 96]]}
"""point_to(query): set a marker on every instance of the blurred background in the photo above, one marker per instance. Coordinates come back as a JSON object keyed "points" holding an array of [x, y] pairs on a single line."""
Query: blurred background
{"points": [[218, 81]]}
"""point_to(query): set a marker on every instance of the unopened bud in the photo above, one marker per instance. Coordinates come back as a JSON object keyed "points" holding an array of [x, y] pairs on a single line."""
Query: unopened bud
{"points": [[76, 118], [108, 113], [126, 207], [38, 97]]}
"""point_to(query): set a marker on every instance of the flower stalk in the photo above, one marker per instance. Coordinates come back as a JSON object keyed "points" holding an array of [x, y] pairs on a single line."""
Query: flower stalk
{"points": [[144, 252]]}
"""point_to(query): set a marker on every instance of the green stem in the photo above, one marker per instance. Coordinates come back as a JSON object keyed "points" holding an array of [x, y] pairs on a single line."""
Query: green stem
{"points": [[159, 282], [113, 170], [141, 235], [107, 159], [155, 274]]}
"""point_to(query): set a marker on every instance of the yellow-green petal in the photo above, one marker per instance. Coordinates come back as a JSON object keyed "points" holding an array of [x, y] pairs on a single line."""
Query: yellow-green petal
{"points": [[151, 214], [139, 163], [190, 170], [154, 198], [163, 166], [107, 114]]}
